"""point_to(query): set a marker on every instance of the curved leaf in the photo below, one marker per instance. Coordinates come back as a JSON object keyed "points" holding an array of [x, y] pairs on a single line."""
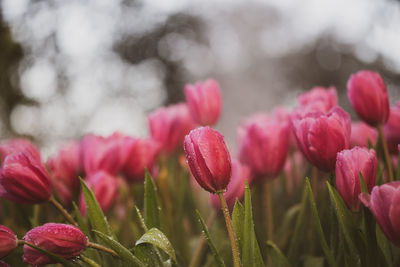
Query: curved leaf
{"points": [[158, 239], [152, 206]]}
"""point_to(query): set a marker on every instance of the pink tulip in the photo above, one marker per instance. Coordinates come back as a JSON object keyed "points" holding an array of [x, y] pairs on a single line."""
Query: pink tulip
{"points": [[384, 203], [264, 144], [361, 133], [18, 145], [204, 101], [208, 158], [66, 241], [349, 165], [141, 155], [8, 241], [105, 188], [169, 125], [24, 179], [392, 128], [320, 136], [235, 189], [367, 93], [320, 98]]}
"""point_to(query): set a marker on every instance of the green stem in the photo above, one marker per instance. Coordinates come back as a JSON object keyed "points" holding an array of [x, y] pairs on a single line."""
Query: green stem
{"points": [[102, 248], [268, 202], [386, 153], [89, 261], [62, 210], [229, 227]]}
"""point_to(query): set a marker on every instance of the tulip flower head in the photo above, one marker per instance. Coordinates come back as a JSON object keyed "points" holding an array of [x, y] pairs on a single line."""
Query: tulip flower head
{"points": [[18, 145], [361, 134], [8, 241], [392, 128], [320, 98]]}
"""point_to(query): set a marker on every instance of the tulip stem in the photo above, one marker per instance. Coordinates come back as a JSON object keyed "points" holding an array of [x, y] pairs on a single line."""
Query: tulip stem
{"points": [[229, 227], [200, 244], [63, 211], [386, 153], [102, 248], [268, 202]]}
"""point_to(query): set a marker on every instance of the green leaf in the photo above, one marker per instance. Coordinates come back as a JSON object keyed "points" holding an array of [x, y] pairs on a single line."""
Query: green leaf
{"points": [[157, 238], [237, 223], [152, 207], [251, 255], [124, 254], [148, 255], [317, 223], [141, 219], [218, 260], [384, 245], [364, 188], [276, 255]]}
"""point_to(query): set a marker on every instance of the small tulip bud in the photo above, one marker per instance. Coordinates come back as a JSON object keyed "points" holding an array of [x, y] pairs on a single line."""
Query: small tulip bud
{"points": [[367, 93], [64, 240], [8, 241], [208, 158], [321, 98]]}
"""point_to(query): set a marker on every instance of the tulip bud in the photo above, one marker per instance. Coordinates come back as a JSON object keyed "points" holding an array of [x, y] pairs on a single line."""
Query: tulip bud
{"points": [[169, 125], [24, 179], [204, 101], [235, 189], [105, 189], [367, 93], [264, 144], [8, 241], [320, 136], [349, 165], [392, 128], [321, 98], [208, 158], [361, 133], [18, 145], [141, 155], [64, 240], [384, 203]]}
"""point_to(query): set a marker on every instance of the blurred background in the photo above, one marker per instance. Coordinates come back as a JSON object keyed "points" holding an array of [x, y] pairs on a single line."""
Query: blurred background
{"points": [[72, 67]]}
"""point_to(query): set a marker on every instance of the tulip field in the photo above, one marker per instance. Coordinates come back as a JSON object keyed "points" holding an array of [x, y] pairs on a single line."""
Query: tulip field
{"points": [[306, 187]]}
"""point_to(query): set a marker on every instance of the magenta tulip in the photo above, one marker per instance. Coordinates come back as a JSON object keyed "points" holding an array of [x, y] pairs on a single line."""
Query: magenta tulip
{"points": [[367, 93], [392, 128], [361, 133], [169, 125], [321, 98], [18, 145], [320, 136], [208, 159], [64, 240], [349, 165], [8, 241], [384, 203], [204, 101]]}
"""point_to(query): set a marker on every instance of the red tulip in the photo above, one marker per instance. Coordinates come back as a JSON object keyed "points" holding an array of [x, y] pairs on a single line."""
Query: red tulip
{"points": [[105, 188], [392, 128], [384, 203], [24, 179], [320, 136], [361, 133], [264, 144], [8, 241], [169, 125], [18, 145], [204, 101], [64, 240], [349, 165], [320, 98], [367, 93], [208, 158], [141, 155]]}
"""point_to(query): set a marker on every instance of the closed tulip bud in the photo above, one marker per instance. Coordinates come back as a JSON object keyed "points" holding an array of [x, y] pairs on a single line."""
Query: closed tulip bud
{"points": [[8, 241], [24, 179], [392, 128], [235, 189], [264, 144], [141, 155], [208, 159], [169, 125], [18, 145], [321, 98], [384, 203], [105, 189], [349, 165], [204, 101], [361, 133], [367, 93], [66, 241], [320, 136]]}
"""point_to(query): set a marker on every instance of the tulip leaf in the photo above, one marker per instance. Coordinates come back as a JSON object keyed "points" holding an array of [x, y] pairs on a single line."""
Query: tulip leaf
{"points": [[384, 245], [276, 255], [251, 255], [218, 260], [152, 207], [124, 254], [317, 223], [148, 255], [237, 223], [364, 188], [346, 223], [158, 239]]}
